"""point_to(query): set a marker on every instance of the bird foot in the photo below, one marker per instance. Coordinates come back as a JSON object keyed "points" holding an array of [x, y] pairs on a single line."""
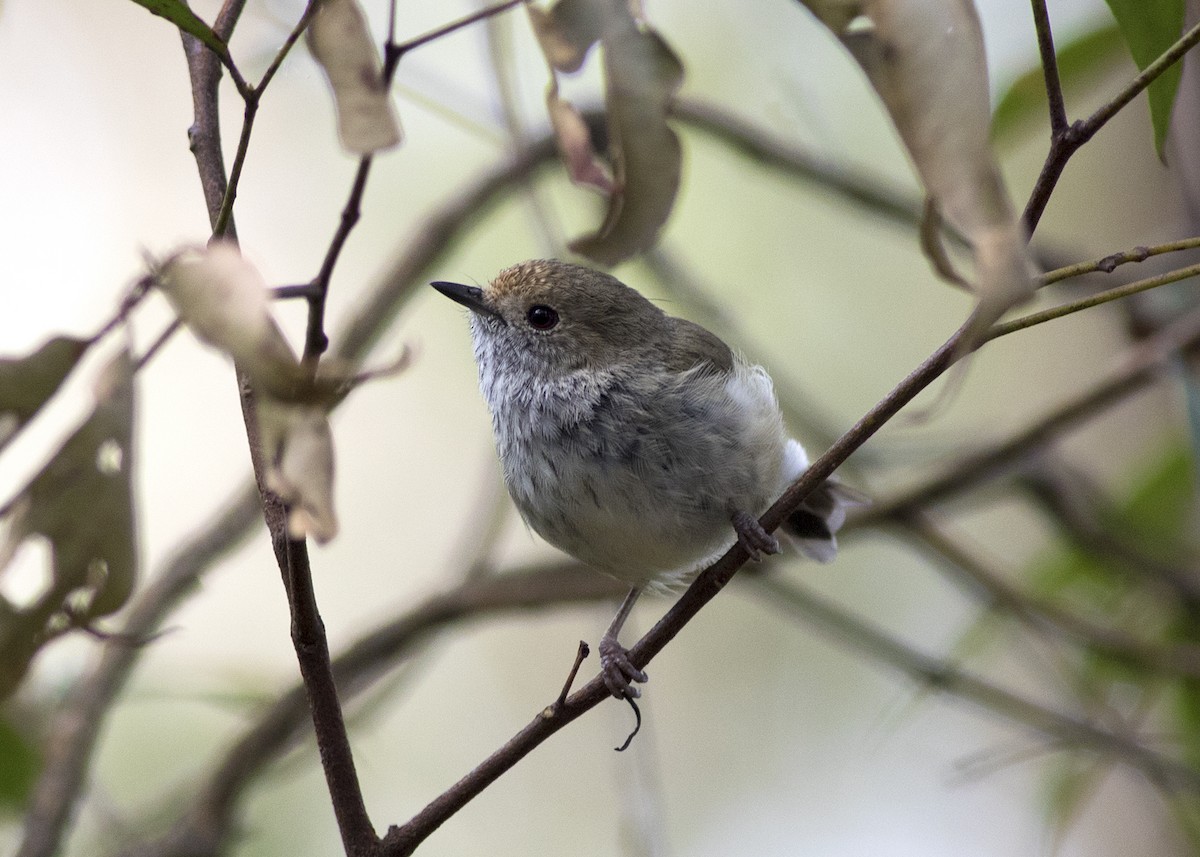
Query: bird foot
{"points": [[618, 671], [753, 537]]}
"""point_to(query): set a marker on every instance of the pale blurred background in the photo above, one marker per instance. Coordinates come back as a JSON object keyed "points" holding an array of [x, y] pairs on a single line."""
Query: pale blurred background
{"points": [[761, 736]]}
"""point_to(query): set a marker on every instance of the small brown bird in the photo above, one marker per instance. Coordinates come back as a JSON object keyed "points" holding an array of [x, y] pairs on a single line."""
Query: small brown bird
{"points": [[634, 441]]}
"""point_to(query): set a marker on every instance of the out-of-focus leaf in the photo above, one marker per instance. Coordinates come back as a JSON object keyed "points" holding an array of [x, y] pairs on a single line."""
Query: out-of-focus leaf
{"points": [[82, 503], [178, 13], [575, 144], [27, 383], [341, 42], [643, 74], [298, 446], [1149, 28], [568, 30], [223, 299], [926, 60], [19, 765], [1078, 62]]}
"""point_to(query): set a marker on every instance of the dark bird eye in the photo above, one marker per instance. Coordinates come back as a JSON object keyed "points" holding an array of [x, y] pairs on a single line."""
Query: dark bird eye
{"points": [[541, 317]]}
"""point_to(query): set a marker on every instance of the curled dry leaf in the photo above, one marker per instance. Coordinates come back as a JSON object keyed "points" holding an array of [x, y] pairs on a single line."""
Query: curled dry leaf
{"points": [[340, 41], [575, 144], [926, 60], [642, 75], [298, 446], [568, 30], [27, 383], [81, 502]]}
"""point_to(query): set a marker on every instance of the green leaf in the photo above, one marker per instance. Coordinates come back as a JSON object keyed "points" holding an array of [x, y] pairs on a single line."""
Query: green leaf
{"points": [[1149, 28], [19, 765], [27, 383], [1079, 60], [178, 13]]}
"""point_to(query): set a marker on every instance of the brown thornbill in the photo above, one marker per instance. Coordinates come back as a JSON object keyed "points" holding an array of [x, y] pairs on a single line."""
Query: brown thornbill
{"points": [[635, 441]]}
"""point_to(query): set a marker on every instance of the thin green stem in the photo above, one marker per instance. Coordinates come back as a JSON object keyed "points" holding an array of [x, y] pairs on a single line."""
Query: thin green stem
{"points": [[1027, 321], [1111, 262], [1149, 74]]}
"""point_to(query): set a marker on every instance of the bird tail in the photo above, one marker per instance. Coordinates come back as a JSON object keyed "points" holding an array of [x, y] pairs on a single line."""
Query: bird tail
{"points": [[812, 528]]}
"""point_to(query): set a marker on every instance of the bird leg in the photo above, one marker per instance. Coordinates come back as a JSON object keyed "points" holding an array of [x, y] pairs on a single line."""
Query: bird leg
{"points": [[618, 671], [752, 536]]}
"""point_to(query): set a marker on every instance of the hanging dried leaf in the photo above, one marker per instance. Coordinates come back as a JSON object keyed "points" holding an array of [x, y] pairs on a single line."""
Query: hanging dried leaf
{"points": [[926, 60], [568, 30], [643, 74], [298, 446], [82, 504], [341, 42], [575, 144], [27, 383], [224, 300]]}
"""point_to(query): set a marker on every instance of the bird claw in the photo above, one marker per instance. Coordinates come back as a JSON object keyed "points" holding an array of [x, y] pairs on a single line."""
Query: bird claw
{"points": [[752, 537], [618, 671]]}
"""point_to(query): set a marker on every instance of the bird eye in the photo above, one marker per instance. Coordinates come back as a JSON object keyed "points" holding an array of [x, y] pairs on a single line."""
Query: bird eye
{"points": [[541, 317]]}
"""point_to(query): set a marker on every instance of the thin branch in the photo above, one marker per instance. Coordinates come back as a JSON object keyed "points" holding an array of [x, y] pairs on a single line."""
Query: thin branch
{"points": [[333, 741], [284, 49], [1146, 361], [1149, 74], [1036, 318], [940, 676], [395, 52], [252, 97], [1178, 659], [1063, 145], [856, 186], [1108, 264], [315, 340], [1054, 93], [209, 822], [77, 721], [404, 840]]}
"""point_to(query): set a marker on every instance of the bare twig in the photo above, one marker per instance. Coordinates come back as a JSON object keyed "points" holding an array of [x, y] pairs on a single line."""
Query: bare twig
{"points": [[1145, 362], [210, 820], [1035, 318], [78, 720], [1179, 659], [1054, 93], [1065, 143], [937, 675], [1111, 262]]}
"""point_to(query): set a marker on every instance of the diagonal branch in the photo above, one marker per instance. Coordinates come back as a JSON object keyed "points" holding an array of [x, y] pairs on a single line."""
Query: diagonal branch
{"points": [[1066, 143]]}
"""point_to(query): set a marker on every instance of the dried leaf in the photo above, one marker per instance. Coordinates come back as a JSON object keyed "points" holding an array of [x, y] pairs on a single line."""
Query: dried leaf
{"points": [[926, 60], [82, 503], [224, 300], [643, 75], [27, 383], [575, 144], [569, 29], [341, 42], [178, 13], [298, 444]]}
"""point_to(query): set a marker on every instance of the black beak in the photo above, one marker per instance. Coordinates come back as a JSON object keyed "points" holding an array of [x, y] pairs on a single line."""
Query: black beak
{"points": [[469, 296]]}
